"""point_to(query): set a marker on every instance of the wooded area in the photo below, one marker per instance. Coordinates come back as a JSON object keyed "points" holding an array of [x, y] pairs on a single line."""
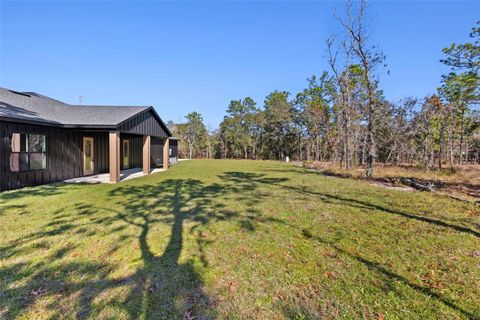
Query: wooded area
{"points": [[342, 115]]}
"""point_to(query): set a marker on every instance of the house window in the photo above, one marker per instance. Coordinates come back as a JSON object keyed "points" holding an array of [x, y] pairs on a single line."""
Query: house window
{"points": [[27, 152]]}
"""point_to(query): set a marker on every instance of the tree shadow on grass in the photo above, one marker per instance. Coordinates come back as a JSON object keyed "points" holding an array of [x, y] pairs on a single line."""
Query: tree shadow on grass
{"points": [[41, 191], [241, 178], [163, 286], [38, 191], [337, 199], [391, 277]]}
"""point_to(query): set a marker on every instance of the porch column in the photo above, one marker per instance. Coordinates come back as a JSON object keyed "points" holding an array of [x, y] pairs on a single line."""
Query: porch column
{"points": [[166, 153], [114, 153], [146, 154]]}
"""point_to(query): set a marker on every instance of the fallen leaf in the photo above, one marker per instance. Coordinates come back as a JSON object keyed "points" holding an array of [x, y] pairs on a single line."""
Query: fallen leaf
{"points": [[38, 292], [329, 254], [232, 286], [188, 315]]}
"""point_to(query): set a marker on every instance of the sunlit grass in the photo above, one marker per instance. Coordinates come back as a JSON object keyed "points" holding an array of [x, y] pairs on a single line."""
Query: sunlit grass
{"points": [[236, 239]]}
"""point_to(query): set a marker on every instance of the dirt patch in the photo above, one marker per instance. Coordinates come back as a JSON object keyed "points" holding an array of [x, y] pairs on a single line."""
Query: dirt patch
{"points": [[455, 185], [392, 187]]}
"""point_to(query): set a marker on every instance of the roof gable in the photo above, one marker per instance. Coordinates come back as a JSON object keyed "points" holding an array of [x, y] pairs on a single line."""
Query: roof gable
{"points": [[146, 122]]}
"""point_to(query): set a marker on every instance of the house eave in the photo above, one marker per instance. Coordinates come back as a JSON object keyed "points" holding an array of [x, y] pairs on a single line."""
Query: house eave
{"points": [[57, 124]]}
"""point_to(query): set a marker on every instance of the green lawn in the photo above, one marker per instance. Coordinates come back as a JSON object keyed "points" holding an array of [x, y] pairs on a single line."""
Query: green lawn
{"points": [[237, 240]]}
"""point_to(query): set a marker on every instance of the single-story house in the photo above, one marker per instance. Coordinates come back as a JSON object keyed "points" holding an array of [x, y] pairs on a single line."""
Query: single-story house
{"points": [[44, 140]]}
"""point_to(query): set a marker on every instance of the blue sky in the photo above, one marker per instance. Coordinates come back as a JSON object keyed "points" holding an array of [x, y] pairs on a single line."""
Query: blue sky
{"points": [[185, 56]]}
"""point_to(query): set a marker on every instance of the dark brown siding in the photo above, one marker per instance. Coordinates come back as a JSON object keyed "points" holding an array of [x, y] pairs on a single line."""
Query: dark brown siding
{"points": [[157, 151], [3, 165], [63, 151], [174, 147], [145, 124]]}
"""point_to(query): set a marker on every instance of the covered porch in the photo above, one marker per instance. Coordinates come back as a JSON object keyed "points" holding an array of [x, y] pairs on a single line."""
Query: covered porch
{"points": [[118, 155], [105, 177], [140, 143], [121, 150]]}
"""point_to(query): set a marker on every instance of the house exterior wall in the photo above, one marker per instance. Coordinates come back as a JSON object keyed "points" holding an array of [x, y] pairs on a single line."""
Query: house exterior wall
{"points": [[156, 152], [174, 148], [135, 154], [144, 123], [64, 155], [64, 149]]}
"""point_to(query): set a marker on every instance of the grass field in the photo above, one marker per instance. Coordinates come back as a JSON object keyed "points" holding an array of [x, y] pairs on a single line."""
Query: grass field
{"points": [[462, 181], [237, 240]]}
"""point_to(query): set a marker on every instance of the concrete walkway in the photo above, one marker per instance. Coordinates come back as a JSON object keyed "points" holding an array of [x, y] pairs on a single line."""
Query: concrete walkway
{"points": [[105, 177]]}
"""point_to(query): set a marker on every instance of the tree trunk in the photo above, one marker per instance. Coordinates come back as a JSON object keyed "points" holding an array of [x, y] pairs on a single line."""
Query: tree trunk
{"points": [[462, 134], [467, 150], [432, 158], [364, 149], [425, 153], [440, 147], [370, 141], [347, 149], [452, 159]]}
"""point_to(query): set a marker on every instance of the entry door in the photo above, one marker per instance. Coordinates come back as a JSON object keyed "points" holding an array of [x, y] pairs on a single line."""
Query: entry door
{"points": [[88, 156], [126, 152]]}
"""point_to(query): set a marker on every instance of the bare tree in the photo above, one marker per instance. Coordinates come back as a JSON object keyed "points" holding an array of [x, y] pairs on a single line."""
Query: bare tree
{"points": [[370, 59], [343, 99]]}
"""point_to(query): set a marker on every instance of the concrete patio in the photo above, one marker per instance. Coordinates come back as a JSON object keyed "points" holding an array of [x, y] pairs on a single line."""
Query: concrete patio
{"points": [[105, 177]]}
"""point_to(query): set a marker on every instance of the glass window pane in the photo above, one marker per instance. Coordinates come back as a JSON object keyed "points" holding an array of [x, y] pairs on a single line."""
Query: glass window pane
{"points": [[18, 142], [88, 149], [38, 161], [88, 164], [27, 152], [23, 160], [36, 143], [23, 143], [14, 162]]}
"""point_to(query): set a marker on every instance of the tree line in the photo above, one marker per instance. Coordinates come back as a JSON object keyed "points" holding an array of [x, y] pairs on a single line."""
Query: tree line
{"points": [[342, 115]]}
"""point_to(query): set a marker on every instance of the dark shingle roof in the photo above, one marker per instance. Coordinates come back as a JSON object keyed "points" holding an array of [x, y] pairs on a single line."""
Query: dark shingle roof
{"points": [[31, 106]]}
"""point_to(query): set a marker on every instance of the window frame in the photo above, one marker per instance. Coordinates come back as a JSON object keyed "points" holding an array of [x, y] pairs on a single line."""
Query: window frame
{"points": [[26, 152]]}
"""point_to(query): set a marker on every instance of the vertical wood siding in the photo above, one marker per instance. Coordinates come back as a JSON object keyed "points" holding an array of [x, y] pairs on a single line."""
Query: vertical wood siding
{"points": [[174, 147], [3, 152], [63, 152], [145, 124], [156, 152]]}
